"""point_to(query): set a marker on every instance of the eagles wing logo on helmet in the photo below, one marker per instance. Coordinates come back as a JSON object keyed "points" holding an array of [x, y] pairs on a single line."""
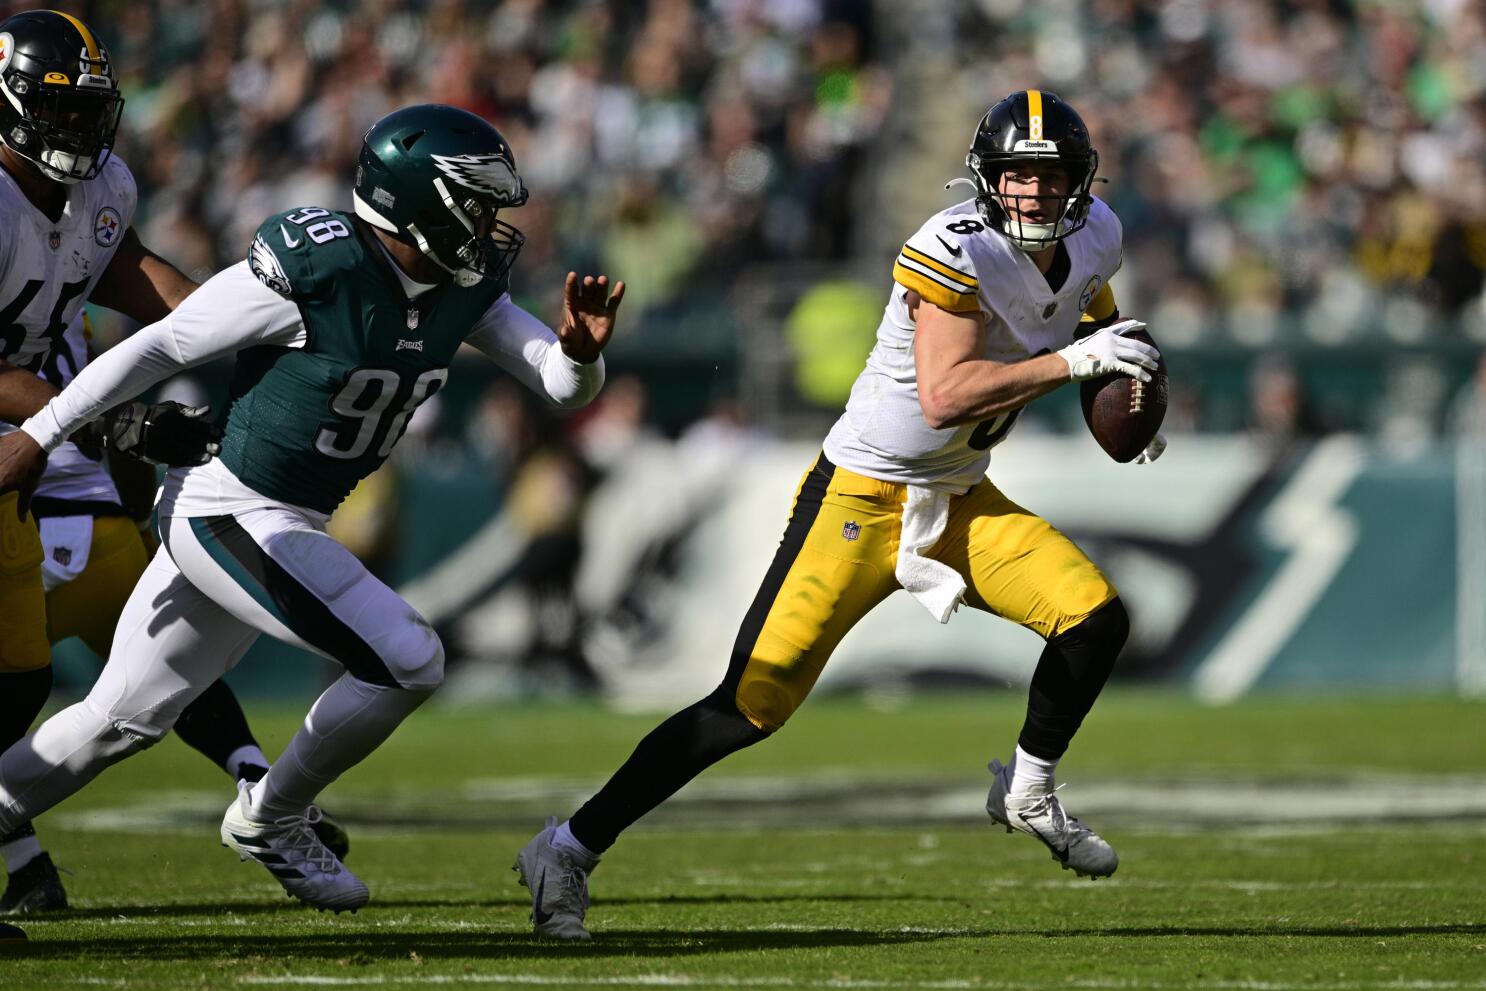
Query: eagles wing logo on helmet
{"points": [[491, 174], [265, 265]]}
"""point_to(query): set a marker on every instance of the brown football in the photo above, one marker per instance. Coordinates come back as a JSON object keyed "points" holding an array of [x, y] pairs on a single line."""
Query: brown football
{"points": [[1124, 414]]}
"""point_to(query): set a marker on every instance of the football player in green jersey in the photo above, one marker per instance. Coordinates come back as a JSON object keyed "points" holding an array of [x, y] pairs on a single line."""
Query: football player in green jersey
{"points": [[342, 325], [66, 570]]}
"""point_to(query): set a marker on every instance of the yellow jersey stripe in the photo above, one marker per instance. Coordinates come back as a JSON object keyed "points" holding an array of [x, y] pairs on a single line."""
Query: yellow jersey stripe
{"points": [[935, 292], [933, 276], [1102, 306], [88, 39], [953, 274], [1034, 114]]}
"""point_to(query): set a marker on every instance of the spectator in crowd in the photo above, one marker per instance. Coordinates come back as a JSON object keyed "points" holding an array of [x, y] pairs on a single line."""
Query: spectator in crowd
{"points": [[677, 138]]}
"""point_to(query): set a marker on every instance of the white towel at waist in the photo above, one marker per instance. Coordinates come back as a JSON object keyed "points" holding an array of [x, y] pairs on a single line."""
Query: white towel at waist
{"points": [[936, 585]]}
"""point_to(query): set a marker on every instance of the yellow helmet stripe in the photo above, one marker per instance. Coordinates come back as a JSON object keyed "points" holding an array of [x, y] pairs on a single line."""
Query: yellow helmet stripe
{"points": [[1034, 114], [88, 39]]}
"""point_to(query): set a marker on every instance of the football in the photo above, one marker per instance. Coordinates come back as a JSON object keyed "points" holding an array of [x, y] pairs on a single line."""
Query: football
{"points": [[1123, 413]]}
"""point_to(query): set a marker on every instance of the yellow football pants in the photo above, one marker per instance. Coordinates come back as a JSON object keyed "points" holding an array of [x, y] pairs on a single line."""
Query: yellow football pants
{"points": [[837, 561], [90, 604], [23, 642], [31, 620]]}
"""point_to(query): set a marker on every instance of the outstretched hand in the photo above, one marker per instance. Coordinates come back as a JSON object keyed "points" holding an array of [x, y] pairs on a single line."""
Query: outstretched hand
{"points": [[588, 311], [21, 463]]}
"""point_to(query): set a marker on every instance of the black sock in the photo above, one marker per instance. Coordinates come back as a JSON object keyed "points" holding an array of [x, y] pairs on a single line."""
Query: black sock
{"points": [[22, 831], [675, 752], [22, 694], [1070, 674], [215, 725]]}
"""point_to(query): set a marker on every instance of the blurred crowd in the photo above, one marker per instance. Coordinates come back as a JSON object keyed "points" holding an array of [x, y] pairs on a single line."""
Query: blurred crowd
{"points": [[1289, 172], [1305, 168], [668, 140]]}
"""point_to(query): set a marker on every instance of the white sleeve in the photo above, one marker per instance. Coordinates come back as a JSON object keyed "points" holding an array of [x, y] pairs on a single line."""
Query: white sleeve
{"points": [[528, 349], [230, 312]]}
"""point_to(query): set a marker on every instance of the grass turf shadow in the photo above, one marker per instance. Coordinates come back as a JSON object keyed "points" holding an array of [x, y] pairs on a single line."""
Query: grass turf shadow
{"points": [[380, 946], [168, 910]]}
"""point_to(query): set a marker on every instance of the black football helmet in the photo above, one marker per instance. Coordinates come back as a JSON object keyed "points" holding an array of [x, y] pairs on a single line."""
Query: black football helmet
{"points": [[59, 101], [1032, 125]]}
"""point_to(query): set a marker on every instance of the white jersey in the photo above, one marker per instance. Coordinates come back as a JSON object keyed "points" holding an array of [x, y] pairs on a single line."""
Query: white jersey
{"points": [[71, 476], [957, 263], [47, 271]]}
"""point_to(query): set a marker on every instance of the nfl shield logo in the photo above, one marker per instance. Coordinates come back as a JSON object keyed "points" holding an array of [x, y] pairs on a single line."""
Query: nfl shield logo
{"points": [[851, 530], [54, 240], [62, 555], [412, 319]]}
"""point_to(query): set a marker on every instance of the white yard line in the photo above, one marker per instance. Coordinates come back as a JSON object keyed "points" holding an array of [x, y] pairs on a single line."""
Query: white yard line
{"points": [[1209, 800]]}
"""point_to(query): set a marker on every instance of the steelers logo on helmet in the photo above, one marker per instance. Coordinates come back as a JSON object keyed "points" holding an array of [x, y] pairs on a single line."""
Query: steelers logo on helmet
{"points": [[1032, 133], [59, 105]]}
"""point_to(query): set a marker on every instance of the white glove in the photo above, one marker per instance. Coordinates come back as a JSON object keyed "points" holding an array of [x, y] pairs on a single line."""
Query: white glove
{"points": [[1108, 351], [1153, 450]]}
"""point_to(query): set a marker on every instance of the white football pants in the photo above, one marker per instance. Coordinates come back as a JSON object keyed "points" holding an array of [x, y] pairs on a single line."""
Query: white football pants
{"points": [[215, 585]]}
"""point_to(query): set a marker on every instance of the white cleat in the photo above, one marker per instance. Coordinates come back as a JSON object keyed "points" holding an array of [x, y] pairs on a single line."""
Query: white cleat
{"points": [[292, 853], [1074, 845], [559, 887]]}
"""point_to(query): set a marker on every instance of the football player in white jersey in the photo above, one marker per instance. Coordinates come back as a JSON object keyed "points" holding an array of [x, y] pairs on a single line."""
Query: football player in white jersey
{"points": [[67, 570], [996, 301]]}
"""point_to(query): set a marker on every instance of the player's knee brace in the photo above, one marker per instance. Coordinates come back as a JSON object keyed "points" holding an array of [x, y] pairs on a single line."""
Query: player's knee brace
{"points": [[415, 657]]}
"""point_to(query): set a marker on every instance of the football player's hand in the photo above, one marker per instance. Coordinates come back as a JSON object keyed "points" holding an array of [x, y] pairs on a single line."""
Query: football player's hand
{"points": [[163, 434], [588, 310], [1153, 450], [21, 463], [1109, 351]]}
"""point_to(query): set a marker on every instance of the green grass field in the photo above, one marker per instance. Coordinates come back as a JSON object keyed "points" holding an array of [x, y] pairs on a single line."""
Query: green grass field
{"points": [[1315, 844]]}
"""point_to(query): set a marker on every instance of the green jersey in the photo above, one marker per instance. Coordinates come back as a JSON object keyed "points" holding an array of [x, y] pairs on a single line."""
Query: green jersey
{"points": [[305, 423]]}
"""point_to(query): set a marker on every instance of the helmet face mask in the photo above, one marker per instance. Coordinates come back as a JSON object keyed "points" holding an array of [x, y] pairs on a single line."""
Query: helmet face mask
{"points": [[437, 177], [59, 104], [1034, 134]]}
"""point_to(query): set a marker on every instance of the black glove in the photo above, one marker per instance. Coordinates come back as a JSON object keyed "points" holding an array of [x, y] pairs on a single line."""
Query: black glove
{"points": [[165, 433]]}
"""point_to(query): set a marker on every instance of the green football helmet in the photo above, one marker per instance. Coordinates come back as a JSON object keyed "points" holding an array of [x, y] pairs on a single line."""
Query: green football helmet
{"points": [[435, 176]]}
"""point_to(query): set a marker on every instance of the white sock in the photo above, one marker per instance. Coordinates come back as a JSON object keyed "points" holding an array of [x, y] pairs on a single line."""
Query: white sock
{"points": [[346, 723], [564, 839], [19, 853], [245, 755], [1031, 775]]}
